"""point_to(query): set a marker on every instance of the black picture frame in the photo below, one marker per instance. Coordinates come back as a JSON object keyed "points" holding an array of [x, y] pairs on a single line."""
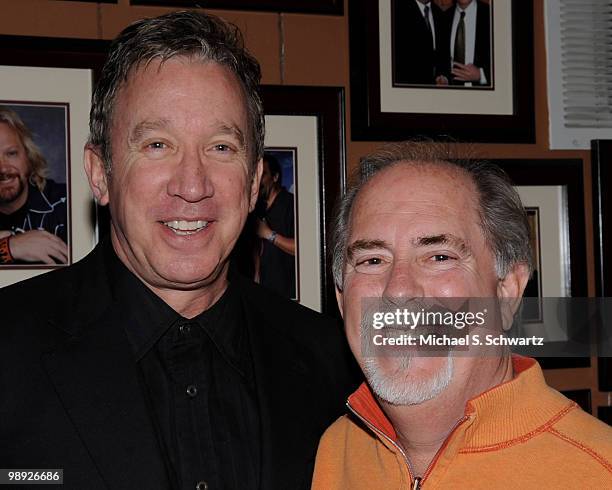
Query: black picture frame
{"points": [[601, 178], [328, 7], [327, 104], [581, 397], [568, 173], [605, 414], [96, 1], [370, 123], [53, 52]]}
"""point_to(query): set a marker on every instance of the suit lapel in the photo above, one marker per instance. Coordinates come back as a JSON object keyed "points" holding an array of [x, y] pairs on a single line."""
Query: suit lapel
{"points": [[96, 378]]}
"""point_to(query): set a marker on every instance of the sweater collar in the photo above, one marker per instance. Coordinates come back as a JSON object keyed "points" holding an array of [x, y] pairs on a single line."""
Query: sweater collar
{"points": [[505, 413]]}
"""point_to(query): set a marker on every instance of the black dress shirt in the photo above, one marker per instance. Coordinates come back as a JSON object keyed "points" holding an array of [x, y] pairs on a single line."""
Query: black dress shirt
{"points": [[197, 377]]}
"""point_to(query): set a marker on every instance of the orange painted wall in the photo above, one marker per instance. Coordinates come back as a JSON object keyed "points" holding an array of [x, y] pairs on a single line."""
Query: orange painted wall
{"points": [[315, 51]]}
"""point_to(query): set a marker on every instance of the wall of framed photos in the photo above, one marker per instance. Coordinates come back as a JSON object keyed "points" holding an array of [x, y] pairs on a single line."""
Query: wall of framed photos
{"points": [[309, 46]]}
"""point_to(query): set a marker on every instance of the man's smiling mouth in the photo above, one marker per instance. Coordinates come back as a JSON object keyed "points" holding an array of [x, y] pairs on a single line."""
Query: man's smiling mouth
{"points": [[182, 227]]}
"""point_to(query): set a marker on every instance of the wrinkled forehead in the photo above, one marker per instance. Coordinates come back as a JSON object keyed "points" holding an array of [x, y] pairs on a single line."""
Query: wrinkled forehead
{"points": [[409, 193]]}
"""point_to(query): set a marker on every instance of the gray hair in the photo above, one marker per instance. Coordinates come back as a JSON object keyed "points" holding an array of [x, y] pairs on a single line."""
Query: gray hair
{"points": [[502, 216], [195, 35]]}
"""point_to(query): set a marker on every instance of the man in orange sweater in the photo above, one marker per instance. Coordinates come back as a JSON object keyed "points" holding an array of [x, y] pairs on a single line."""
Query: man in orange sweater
{"points": [[417, 225]]}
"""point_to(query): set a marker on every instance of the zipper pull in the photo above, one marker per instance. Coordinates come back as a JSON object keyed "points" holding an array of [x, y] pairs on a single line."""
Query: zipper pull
{"points": [[417, 483]]}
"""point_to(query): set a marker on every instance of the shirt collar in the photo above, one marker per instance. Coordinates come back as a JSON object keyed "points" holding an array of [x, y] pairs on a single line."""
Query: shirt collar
{"points": [[469, 9], [147, 317], [422, 7]]}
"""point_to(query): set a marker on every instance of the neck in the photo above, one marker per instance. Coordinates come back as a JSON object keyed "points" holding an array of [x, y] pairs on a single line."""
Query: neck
{"points": [[189, 301], [190, 304], [273, 193], [422, 429]]}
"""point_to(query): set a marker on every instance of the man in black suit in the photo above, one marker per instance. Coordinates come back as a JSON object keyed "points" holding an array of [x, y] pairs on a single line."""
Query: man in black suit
{"points": [[470, 44], [148, 365], [420, 31]]}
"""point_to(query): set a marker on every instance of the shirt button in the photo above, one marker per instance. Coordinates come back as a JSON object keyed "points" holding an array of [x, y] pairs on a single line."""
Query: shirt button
{"points": [[201, 485], [192, 391], [185, 329]]}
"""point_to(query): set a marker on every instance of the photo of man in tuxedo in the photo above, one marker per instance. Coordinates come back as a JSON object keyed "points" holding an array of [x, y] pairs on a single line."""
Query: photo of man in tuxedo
{"points": [[420, 42]]}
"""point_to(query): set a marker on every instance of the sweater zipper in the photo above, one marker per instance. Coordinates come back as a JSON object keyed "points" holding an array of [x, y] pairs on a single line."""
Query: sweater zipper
{"points": [[418, 481], [385, 436], [419, 484]]}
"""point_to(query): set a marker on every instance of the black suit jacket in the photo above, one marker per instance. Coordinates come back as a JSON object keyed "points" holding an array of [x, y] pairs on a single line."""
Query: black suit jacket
{"points": [[71, 396], [414, 59]]}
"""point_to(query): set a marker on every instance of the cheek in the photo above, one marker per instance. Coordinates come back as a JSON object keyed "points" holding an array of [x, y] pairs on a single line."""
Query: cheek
{"points": [[232, 187], [365, 285], [24, 164], [455, 284]]}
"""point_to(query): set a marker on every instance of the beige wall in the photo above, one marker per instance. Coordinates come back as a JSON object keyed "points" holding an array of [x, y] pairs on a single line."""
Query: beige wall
{"points": [[315, 53]]}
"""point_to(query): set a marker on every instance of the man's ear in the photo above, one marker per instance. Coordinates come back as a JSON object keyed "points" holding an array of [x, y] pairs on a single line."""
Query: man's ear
{"points": [[510, 292], [339, 300], [255, 184], [96, 174]]}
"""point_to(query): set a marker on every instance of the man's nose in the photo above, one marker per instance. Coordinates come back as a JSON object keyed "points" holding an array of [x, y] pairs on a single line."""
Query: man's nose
{"points": [[403, 282], [191, 179]]}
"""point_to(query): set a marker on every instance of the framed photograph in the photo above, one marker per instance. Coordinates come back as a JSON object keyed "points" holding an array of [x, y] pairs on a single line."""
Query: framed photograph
{"points": [[276, 267], [553, 195], [46, 86], [601, 176], [444, 69], [335, 7], [305, 137], [34, 140]]}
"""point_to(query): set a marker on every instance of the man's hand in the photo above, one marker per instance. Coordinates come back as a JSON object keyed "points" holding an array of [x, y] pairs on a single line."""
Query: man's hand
{"points": [[441, 80], [466, 73], [38, 246]]}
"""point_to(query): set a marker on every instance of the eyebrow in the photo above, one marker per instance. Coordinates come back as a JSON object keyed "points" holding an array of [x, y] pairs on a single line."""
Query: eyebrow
{"points": [[143, 127], [442, 239], [234, 131], [363, 245]]}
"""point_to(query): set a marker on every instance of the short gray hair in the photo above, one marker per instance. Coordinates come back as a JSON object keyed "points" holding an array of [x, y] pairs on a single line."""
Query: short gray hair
{"points": [[502, 216], [191, 34]]}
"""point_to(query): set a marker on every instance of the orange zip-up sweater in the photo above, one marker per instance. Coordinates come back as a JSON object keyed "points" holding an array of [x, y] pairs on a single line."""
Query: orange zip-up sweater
{"points": [[520, 434]]}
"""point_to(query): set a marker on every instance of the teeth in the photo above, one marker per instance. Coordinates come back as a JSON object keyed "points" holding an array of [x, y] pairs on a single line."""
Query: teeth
{"points": [[186, 227]]}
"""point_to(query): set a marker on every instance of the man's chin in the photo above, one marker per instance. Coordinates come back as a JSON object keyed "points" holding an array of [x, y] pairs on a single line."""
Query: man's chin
{"points": [[11, 193], [399, 382], [186, 276]]}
